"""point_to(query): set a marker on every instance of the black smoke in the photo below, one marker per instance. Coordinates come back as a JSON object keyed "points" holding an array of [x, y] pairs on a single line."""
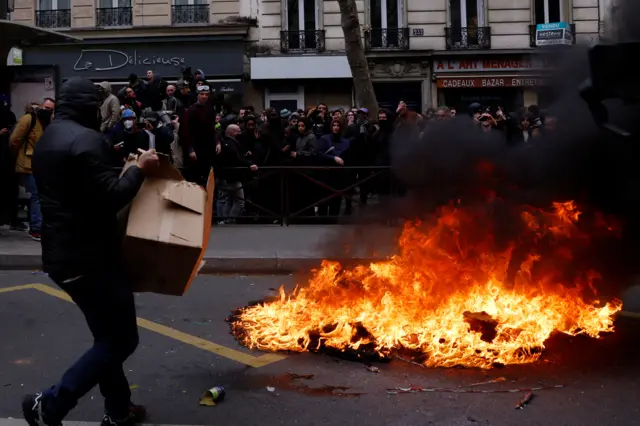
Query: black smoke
{"points": [[581, 161]]}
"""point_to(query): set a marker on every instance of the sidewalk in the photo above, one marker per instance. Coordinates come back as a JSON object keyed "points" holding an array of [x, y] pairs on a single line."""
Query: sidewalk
{"points": [[263, 249]]}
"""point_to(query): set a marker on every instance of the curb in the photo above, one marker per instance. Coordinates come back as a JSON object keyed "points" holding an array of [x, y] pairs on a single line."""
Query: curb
{"points": [[213, 265]]}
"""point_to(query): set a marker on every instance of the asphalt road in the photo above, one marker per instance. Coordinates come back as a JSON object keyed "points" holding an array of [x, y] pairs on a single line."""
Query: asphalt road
{"points": [[186, 349]]}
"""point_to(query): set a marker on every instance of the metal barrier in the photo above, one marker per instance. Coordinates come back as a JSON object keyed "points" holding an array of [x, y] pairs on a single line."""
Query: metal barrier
{"points": [[288, 195], [305, 194]]}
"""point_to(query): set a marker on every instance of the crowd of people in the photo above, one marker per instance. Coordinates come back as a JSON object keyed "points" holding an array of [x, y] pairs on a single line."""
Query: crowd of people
{"points": [[184, 122]]}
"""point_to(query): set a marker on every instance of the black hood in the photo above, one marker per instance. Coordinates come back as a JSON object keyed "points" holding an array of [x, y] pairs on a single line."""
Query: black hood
{"points": [[79, 100]]}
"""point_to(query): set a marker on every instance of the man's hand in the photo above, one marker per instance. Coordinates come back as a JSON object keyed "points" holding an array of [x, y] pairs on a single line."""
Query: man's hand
{"points": [[286, 148], [339, 160], [218, 149], [148, 160], [4, 131], [293, 154], [193, 156], [253, 168]]}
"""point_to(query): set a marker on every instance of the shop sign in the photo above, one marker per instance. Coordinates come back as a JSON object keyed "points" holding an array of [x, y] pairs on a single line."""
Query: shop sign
{"points": [[489, 65], [118, 60], [489, 82], [557, 33]]}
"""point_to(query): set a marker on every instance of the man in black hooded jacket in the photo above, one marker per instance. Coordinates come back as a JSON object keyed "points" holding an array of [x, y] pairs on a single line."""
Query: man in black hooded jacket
{"points": [[80, 194]]}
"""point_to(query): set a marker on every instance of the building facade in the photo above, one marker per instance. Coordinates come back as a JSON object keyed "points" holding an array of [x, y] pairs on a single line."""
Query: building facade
{"points": [[124, 37], [427, 52], [291, 53]]}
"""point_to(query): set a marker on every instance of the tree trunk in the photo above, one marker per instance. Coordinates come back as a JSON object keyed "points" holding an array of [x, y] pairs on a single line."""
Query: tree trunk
{"points": [[365, 95]]}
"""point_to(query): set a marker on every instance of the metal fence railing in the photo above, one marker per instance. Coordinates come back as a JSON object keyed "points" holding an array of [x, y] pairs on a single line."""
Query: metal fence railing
{"points": [[288, 195]]}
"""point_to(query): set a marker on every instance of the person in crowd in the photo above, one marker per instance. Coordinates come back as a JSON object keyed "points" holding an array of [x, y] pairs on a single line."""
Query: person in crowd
{"points": [[320, 120], [229, 181], [156, 134], [9, 185], [124, 137], [184, 94], [331, 149], [199, 138], [131, 101], [23, 140], [487, 122], [155, 92], [81, 253], [110, 109], [443, 113], [171, 102], [138, 86]]}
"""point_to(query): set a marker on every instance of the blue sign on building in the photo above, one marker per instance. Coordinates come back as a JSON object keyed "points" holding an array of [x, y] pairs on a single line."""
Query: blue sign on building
{"points": [[554, 34]]}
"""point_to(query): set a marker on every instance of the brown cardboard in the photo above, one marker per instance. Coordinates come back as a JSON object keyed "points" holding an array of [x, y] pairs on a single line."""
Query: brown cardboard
{"points": [[167, 231]]}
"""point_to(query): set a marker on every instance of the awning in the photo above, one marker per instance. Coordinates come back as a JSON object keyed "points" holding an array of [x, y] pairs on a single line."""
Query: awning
{"points": [[15, 34], [299, 67]]}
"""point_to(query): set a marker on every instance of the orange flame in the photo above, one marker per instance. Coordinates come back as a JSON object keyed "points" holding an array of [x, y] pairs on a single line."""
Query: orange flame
{"points": [[446, 297]]}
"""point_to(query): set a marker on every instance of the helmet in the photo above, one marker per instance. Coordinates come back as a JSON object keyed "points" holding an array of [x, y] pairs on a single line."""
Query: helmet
{"points": [[127, 113]]}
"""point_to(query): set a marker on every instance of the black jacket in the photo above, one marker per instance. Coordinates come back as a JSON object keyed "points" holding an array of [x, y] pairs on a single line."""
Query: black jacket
{"points": [[232, 156], [80, 192]]}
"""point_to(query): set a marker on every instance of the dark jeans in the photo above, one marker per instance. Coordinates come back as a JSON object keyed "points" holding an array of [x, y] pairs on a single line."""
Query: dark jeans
{"points": [[106, 300]]}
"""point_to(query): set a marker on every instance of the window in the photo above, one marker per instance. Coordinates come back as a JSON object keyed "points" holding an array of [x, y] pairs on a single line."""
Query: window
{"points": [[387, 14], [467, 14], [550, 11], [109, 4], [291, 99], [467, 28], [301, 24], [54, 4], [188, 2], [386, 19], [301, 15]]}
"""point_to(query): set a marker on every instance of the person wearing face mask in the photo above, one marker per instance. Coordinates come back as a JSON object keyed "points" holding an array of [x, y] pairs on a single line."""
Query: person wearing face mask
{"points": [[124, 137], [23, 141]]}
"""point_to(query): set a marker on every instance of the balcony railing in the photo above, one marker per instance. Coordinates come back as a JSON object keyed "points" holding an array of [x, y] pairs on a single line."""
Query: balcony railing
{"points": [[468, 38], [113, 17], [532, 35], [302, 41], [53, 18], [190, 14], [386, 39]]}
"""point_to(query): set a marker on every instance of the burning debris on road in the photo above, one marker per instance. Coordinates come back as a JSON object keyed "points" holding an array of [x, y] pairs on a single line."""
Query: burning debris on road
{"points": [[455, 295]]}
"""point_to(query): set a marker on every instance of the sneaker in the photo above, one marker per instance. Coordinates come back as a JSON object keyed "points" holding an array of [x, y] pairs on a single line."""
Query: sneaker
{"points": [[35, 236], [19, 226], [137, 414], [32, 411]]}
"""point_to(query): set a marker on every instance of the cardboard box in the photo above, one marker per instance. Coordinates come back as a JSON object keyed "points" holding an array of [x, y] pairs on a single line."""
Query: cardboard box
{"points": [[167, 231]]}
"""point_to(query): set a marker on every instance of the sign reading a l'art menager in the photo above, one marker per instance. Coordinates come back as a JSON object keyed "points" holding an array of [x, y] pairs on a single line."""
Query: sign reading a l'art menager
{"points": [[557, 33]]}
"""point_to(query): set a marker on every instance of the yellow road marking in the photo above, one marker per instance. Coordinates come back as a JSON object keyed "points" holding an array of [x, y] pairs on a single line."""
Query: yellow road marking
{"points": [[241, 357], [16, 288]]}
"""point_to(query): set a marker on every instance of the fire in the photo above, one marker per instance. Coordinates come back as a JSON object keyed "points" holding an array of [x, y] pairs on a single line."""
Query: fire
{"points": [[451, 297]]}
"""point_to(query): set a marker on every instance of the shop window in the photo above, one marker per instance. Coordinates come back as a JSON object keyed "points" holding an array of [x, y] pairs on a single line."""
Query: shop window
{"points": [[550, 11], [280, 100]]}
